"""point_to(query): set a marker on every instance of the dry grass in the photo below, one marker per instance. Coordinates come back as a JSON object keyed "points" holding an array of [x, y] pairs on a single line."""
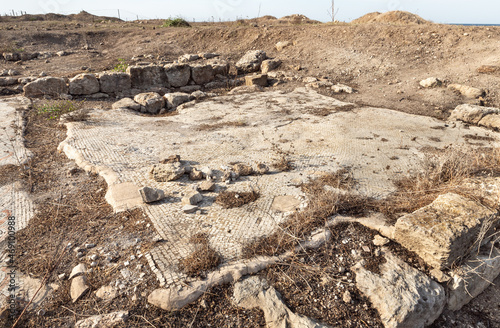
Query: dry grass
{"points": [[283, 164], [442, 172], [231, 199], [322, 205], [204, 258]]}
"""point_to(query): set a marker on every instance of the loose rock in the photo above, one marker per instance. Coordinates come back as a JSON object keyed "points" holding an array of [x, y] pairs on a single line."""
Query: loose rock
{"points": [[206, 186], [242, 169], [269, 65], [192, 198], [110, 320], [431, 82], [126, 103], [403, 296], [195, 174], [251, 62], [166, 172], [152, 102], [467, 91], [178, 75], [150, 195], [190, 209], [78, 271], [173, 100], [256, 79], [78, 288]]}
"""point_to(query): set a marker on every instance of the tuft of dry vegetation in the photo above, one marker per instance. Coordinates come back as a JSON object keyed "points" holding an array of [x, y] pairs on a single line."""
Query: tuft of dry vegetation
{"points": [[204, 258], [231, 199], [323, 203], [442, 172]]}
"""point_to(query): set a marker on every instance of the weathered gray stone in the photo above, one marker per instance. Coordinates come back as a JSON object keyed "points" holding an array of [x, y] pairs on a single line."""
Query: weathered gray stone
{"points": [[245, 89], [220, 67], [243, 169], [178, 75], [150, 195], [199, 95], [192, 198], [110, 320], [78, 271], [256, 79], [29, 55], [472, 278], [107, 293], [471, 113], [114, 82], [207, 186], [190, 88], [26, 79], [202, 73], [175, 99], [126, 103], [6, 81], [208, 55], [146, 76], [152, 102], [166, 172], [431, 82], [442, 232], [188, 58], [253, 293], [52, 86], [78, 287], [195, 174], [403, 296], [269, 65], [84, 84], [261, 169], [251, 62], [13, 72], [190, 209], [62, 53], [467, 91]]}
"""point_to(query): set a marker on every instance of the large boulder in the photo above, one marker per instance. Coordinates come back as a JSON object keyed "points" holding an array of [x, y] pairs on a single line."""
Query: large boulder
{"points": [[175, 99], [84, 84], [471, 113], [491, 121], [143, 77], [114, 82], [443, 232], [202, 73], [52, 86], [151, 102], [178, 75], [403, 296], [251, 62]]}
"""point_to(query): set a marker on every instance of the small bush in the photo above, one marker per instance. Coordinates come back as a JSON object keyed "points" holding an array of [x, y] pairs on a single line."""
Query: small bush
{"points": [[56, 109], [121, 66], [176, 22], [231, 199]]}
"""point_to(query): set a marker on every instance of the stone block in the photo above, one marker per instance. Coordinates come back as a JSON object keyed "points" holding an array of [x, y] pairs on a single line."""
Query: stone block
{"points": [[178, 75], [52, 86], [442, 232], [142, 77], [84, 84], [114, 82]]}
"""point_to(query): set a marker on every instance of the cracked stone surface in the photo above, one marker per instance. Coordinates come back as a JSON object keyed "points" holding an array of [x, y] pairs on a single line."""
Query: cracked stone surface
{"points": [[121, 145]]}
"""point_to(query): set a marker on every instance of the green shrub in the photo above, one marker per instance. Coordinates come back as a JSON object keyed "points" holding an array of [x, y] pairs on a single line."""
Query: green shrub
{"points": [[175, 22], [121, 66], [54, 110]]}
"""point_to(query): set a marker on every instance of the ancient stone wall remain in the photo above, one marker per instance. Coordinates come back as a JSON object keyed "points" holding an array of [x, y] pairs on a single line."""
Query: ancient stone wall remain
{"points": [[134, 81]]}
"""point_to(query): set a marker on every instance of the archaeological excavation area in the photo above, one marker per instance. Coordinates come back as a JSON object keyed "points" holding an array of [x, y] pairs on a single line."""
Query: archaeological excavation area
{"points": [[247, 185]]}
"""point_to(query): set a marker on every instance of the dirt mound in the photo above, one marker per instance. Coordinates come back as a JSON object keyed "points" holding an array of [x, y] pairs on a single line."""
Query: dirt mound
{"points": [[83, 16], [298, 19], [392, 17]]}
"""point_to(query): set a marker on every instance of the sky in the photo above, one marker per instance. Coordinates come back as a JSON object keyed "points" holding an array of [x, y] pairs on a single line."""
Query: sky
{"points": [[439, 11]]}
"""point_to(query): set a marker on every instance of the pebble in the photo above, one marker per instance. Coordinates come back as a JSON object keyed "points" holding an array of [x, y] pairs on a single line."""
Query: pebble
{"points": [[89, 246], [79, 254], [93, 257], [93, 264], [127, 263]]}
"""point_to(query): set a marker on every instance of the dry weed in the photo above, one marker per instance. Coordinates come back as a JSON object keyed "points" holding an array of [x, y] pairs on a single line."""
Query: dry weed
{"points": [[203, 258], [231, 199]]}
